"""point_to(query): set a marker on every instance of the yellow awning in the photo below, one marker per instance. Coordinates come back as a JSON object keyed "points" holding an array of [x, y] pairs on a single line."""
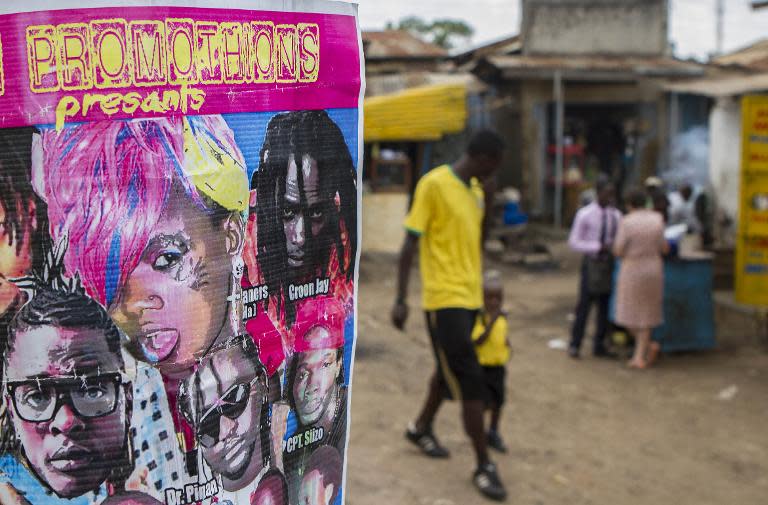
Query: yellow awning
{"points": [[417, 114]]}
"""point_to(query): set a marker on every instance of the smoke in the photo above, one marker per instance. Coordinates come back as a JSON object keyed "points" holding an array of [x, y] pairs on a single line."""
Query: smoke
{"points": [[689, 158]]}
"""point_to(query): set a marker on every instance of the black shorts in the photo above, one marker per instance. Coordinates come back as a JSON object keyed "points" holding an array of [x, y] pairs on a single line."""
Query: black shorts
{"points": [[459, 374], [494, 382]]}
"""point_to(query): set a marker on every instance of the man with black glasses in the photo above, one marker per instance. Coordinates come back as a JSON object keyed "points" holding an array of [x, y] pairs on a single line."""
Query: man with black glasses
{"points": [[69, 401]]}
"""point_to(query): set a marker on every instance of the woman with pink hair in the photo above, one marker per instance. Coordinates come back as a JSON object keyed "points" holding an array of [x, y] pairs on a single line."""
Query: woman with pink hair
{"points": [[153, 210]]}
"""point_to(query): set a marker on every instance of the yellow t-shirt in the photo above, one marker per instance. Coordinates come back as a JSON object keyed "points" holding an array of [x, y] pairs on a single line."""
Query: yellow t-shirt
{"points": [[494, 351], [448, 215]]}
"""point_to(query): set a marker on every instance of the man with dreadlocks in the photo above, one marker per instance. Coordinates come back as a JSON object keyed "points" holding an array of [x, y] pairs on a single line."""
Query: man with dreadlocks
{"points": [[303, 222]]}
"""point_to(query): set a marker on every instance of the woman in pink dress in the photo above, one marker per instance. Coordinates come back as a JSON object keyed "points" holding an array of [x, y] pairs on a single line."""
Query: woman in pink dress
{"points": [[640, 245]]}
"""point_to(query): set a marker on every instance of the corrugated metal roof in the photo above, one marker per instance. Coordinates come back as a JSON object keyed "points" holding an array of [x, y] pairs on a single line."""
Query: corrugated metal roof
{"points": [[508, 45], [399, 44], [598, 66], [753, 56], [387, 84], [720, 87], [418, 114]]}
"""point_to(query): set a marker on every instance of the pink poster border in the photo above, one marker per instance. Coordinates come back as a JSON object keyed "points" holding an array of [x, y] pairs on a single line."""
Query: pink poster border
{"points": [[338, 83]]}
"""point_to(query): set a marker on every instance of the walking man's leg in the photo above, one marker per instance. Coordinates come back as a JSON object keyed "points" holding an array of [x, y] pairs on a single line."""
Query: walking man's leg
{"points": [[472, 415], [469, 378], [459, 375], [420, 431], [431, 405], [486, 477]]}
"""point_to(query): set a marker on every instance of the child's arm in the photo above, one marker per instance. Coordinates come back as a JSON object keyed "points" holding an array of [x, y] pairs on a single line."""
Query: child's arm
{"points": [[487, 333]]}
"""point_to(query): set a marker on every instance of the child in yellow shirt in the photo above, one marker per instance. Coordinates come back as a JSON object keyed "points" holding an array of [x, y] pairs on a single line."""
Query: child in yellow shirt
{"points": [[493, 351]]}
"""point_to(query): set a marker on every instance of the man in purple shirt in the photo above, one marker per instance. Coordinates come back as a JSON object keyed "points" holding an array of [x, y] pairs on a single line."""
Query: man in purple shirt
{"points": [[592, 234]]}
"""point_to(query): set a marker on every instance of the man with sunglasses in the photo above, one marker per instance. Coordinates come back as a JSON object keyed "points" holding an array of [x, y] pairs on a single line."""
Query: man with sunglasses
{"points": [[68, 400], [230, 405]]}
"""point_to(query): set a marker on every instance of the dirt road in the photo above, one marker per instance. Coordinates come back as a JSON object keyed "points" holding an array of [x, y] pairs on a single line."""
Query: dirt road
{"points": [[579, 432]]}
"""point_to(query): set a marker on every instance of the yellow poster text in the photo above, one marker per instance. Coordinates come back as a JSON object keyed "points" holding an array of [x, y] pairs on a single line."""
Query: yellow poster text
{"points": [[185, 99], [110, 54]]}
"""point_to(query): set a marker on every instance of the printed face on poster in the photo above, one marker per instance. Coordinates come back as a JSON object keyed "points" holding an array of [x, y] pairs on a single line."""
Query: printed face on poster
{"points": [[179, 200]]}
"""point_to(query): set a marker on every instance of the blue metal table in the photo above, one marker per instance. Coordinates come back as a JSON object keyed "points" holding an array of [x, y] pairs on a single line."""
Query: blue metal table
{"points": [[688, 308]]}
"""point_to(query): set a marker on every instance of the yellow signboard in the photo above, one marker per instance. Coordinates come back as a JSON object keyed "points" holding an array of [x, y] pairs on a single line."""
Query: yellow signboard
{"points": [[752, 243], [754, 204], [752, 270], [755, 134]]}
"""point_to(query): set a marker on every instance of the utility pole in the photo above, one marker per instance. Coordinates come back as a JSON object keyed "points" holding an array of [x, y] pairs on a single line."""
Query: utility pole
{"points": [[559, 120], [720, 20]]}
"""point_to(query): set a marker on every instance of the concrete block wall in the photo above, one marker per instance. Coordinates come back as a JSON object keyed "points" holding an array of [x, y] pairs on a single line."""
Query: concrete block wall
{"points": [[611, 27]]}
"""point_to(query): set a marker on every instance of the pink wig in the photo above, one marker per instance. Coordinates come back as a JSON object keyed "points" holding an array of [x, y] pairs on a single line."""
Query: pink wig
{"points": [[107, 184]]}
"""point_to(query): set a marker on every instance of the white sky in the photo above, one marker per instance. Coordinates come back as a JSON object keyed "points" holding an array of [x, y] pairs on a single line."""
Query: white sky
{"points": [[692, 22]]}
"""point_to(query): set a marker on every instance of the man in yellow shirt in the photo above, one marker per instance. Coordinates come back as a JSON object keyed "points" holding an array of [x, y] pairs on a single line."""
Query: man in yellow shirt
{"points": [[445, 224]]}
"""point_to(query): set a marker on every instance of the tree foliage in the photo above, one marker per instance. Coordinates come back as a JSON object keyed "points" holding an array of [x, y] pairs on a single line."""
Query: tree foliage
{"points": [[441, 32]]}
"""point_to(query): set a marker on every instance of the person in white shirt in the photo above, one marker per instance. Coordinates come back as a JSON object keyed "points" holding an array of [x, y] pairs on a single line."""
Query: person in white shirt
{"points": [[682, 208]]}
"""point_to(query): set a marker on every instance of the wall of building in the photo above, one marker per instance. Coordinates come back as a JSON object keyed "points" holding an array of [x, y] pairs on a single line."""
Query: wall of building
{"points": [[725, 163], [448, 149], [503, 115], [621, 27], [534, 96], [497, 110]]}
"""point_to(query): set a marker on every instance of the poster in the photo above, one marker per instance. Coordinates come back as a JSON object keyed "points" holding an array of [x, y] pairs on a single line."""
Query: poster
{"points": [[179, 216], [752, 240]]}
